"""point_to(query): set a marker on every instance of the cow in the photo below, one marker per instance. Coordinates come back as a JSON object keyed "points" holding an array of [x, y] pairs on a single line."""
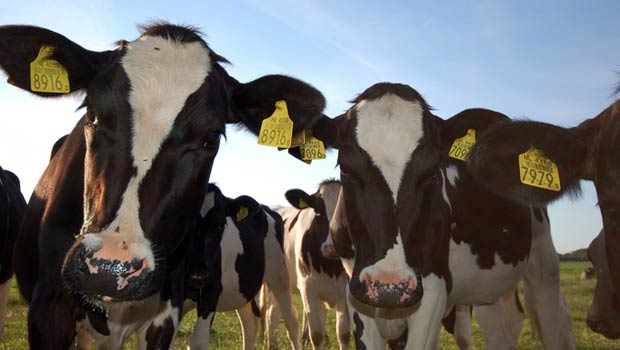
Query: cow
{"points": [[584, 152], [237, 247], [604, 313], [12, 205], [500, 323], [321, 282], [587, 274], [423, 233], [111, 215]]}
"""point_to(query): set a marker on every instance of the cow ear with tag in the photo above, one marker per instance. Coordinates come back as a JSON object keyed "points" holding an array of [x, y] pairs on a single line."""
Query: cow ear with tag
{"points": [[531, 162], [301, 200], [46, 63], [257, 100], [243, 208]]}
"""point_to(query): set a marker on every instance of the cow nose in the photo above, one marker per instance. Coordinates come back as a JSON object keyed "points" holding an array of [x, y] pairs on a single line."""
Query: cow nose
{"points": [[99, 275], [329, 252], [387, 290]]}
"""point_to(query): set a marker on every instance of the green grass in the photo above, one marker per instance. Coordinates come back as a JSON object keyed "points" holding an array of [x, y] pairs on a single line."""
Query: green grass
{"points": [[226, 332]]}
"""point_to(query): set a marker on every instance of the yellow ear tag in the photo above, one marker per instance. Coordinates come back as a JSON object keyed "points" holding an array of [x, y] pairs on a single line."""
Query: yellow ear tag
{"points": [[277, 130], [242, 213], [47, 75], [539, 171], [313, 148], [461, 146], [302, 204]]}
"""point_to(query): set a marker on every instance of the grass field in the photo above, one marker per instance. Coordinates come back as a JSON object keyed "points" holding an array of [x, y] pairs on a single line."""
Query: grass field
{"points": [[226, 332]]}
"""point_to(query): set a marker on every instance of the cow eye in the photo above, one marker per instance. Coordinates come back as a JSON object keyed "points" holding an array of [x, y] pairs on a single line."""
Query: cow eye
{"points": [[212, 139], [91, 119]]}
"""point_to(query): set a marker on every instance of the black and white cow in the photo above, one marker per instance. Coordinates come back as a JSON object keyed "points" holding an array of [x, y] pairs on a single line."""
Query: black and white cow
{"points": [[12, 205], [238, 246], [423, 233], [587, 151], [111, 216], [320, 281]]}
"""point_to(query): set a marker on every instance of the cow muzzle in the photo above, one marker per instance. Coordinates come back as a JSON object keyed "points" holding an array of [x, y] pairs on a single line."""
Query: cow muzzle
{"points": [[107, 269], [387, 290]]}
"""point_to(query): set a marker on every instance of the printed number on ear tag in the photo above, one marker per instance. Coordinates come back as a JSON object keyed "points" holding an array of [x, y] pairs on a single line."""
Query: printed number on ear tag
{"points": [[461, 146], [47, 75], [242, 213], [277, 130], [313, 148], [539, 171]]}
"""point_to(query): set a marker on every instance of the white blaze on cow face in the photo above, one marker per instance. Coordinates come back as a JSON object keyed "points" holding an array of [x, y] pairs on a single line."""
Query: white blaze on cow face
{"points": [[389, 130], [162, 74], [393, 268]]}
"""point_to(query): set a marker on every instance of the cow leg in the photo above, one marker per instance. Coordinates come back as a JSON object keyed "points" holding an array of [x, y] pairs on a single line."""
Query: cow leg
{"points": [[315, 313], [343, 325], [462, 327], [276, 278], [501, 322], [49, 305], [545, 301], [199, 340], [5, 292], [272, 319], [424, 325], [249, 326]]}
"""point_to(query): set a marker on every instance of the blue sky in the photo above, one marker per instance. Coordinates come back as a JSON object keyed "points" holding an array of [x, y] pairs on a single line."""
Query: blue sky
{"points": [[553, 61]]}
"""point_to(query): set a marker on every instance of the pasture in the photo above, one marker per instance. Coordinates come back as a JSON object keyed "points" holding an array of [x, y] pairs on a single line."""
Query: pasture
{"points": [[226, 332]]}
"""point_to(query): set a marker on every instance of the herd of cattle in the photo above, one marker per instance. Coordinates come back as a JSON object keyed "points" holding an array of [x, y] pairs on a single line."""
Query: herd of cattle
{"points": [[129, 235]]}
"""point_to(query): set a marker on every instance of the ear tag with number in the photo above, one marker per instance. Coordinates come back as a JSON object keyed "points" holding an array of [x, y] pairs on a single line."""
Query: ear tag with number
{"points": [[47, 75], [313, 148], [303, 204], [461, 146], [242, 213], [539, 171], [277, 130]]}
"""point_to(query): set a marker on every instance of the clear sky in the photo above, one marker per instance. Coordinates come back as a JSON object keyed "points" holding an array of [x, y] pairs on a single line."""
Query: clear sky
{"points": [[553, 61]]}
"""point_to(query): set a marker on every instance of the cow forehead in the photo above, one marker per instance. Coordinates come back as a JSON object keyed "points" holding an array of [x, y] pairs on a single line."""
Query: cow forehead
{"points": [[162, 74], [389, 129]]}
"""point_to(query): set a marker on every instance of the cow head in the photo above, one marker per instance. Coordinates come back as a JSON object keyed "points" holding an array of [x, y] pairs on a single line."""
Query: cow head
{"points": [[604, 313], [156, 108], [585, 152], [391, 220]]}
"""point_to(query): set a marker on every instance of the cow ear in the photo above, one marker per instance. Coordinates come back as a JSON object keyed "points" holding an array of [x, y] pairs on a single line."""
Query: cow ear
{"points": [[254, 101], [495, 161], [301, 200], [327, 130], [20, 46], [462, 124], [243, 208]]}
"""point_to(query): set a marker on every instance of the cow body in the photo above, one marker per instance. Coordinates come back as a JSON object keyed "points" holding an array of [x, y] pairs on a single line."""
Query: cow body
{"points": [[12, 205], [585, 152], [110, 217], [422, 233], [320, 281]]}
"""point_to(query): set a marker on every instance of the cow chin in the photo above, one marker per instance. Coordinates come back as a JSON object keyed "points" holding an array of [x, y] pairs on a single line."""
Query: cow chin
{"points": [[402, 294]]}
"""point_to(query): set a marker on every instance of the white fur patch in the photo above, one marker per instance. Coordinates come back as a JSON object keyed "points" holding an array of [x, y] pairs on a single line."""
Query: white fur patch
{"points": [[389, 129], [329, 193], [394, 263], [231, 249], [473, 285], [452, 173], [444, 191]]}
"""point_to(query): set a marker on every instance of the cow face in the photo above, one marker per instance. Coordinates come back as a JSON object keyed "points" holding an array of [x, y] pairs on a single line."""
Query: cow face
{"points": [[388, 156], [586, 152], [604, 313], [156, 108]]}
